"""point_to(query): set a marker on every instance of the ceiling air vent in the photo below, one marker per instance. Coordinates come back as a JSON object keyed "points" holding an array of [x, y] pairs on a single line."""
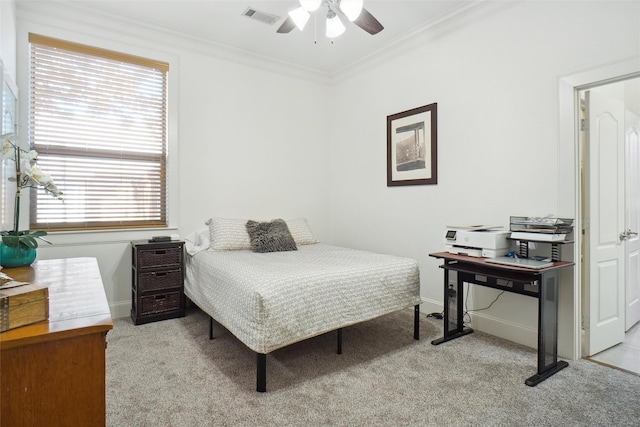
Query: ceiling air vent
{"points": [[261, 16]]}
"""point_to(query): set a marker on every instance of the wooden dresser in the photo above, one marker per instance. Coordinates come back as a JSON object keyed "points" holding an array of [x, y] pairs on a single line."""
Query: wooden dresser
{"points": [[52, 373]]}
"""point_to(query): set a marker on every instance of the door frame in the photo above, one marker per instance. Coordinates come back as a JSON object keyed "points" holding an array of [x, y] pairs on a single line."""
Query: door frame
{"points": [[569, 191], [632, 218]]}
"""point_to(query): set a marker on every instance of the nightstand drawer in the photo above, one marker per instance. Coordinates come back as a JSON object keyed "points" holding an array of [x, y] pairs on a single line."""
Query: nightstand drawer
{"points": [[159, 257], [158, 280], [159, 303]]}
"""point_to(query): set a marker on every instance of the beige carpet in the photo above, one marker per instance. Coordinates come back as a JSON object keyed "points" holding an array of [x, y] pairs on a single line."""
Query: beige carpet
{"points": [[170, 374]]}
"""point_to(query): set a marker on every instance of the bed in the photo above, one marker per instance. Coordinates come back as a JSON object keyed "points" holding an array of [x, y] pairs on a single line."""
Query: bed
{"points": [[269, 300]]}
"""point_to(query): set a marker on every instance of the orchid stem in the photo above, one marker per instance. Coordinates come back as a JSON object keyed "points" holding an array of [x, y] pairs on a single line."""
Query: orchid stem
{"points": [[16, 223]]}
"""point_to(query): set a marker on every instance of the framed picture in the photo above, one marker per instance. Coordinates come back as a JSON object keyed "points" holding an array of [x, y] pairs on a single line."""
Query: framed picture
{"points": [[412, 147]]}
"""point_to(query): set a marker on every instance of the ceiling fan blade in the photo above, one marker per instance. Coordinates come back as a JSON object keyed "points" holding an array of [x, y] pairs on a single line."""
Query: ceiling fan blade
{"points": [[368, 22], [286, 26]]}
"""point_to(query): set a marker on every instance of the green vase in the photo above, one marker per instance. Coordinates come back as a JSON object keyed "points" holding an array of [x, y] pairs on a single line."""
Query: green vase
{"points": [[16, 256]]}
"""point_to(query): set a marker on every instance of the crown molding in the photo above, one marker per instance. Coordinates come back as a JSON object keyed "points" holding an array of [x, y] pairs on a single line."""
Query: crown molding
{"points": [[79, 17], [447, 23]]}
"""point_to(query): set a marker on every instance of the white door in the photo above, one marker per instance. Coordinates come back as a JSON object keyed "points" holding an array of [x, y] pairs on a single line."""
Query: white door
{"points": [[604, 221], [632, 256]]}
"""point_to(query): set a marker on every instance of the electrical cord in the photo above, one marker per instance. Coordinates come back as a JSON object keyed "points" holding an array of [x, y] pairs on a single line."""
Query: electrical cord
{"points": [[466, 314]]}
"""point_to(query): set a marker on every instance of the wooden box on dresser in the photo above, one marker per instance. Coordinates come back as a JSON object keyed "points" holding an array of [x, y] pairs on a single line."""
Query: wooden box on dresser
{"points": [[157, 282], [53, 372]]}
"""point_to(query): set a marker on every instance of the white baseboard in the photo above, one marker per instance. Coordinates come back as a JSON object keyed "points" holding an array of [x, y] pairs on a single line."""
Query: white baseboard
{"points": [[430, 306], [518, 333], [120, 309], [515, 332]]}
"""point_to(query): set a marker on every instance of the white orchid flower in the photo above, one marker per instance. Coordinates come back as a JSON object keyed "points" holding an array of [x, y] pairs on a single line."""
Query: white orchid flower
{"points": [[8, 145], [36, 176], [8, 150], [31, 155], [28, 174], [25, 166], [31, 174], [51, 188]]}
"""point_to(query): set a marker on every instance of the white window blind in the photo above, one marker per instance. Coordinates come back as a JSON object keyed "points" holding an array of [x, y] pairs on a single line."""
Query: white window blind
{"points": [[98, 122]]}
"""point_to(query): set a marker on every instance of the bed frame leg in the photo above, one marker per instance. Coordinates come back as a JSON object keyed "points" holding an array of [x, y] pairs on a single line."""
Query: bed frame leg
{"points": [[339, 340], [210, 327], [261, 372], [416, 322]]}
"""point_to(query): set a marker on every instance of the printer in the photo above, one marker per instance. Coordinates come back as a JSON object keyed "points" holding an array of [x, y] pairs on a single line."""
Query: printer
{"points": [[477, 241]]}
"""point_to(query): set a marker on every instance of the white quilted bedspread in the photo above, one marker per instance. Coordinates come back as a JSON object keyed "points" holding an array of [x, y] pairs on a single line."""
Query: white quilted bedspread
{"points": [[270, 300]]}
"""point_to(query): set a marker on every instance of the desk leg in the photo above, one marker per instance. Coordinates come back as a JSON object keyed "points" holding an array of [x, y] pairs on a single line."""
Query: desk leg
{"points": [[547, 330], [453, 309]]}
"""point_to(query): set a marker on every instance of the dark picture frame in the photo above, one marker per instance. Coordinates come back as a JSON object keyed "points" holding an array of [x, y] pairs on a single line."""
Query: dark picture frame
{"points": [[412, 147]]}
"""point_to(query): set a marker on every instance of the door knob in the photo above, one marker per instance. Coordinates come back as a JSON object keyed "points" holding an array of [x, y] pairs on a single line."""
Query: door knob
{"points": [[626, 234]]}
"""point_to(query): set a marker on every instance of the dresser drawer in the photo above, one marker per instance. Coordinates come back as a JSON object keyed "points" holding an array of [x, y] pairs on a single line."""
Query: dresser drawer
{"points": [[159, 257], [159, 280], [159, 303]]}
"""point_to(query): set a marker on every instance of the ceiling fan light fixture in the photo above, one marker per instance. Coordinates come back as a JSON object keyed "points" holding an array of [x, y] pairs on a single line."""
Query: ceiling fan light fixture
{"points": [[351, 8], [299, 17], [310, 5], [334, 25]]}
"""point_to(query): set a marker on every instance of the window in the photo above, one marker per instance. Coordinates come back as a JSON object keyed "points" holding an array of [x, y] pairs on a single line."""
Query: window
{"points": [[98, 120]]}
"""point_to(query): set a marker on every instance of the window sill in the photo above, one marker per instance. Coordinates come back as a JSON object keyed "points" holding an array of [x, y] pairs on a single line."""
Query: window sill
{"points": [[82, 237]]}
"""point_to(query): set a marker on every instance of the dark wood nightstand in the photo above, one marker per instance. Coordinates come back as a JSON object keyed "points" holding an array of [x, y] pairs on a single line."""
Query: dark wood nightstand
{"points": [[157, 281]]}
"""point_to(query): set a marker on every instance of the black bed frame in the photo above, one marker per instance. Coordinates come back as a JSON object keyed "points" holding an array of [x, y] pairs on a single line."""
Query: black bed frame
{"points": [[261, 366]]}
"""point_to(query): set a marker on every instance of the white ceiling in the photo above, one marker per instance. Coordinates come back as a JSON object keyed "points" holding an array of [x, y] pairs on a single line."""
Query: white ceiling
{"points": [[223, 22]]}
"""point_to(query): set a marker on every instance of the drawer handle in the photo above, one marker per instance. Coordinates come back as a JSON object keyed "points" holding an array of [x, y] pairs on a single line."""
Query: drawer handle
{"points": [[160, 252], [157, 297], [159, 274]]}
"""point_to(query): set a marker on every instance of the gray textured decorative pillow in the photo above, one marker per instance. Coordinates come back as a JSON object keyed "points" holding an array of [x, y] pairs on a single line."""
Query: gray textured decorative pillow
{"points": [[271, 236]]}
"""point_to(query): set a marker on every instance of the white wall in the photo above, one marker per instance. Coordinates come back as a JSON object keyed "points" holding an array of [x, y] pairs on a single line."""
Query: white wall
{"points": [[8, 36], [252, 142], [244, 142], [496, 84], [8, 58]]}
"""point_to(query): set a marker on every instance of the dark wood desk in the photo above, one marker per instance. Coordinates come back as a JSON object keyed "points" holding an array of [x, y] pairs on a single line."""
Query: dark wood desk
{"points": [[52, 373], [539, 283]]}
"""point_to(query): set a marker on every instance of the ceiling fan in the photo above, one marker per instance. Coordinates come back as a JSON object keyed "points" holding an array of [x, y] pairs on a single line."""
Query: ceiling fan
{"points": [[352, 10]]}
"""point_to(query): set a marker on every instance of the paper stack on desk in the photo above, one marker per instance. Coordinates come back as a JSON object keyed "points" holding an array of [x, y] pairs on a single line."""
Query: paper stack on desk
{"points": [[520, 262], [545, 229], [544, 237]]}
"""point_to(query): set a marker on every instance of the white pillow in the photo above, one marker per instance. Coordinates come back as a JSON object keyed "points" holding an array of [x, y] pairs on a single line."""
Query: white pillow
{"points": [[229, 234], [300, 231], [197, 241]]}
